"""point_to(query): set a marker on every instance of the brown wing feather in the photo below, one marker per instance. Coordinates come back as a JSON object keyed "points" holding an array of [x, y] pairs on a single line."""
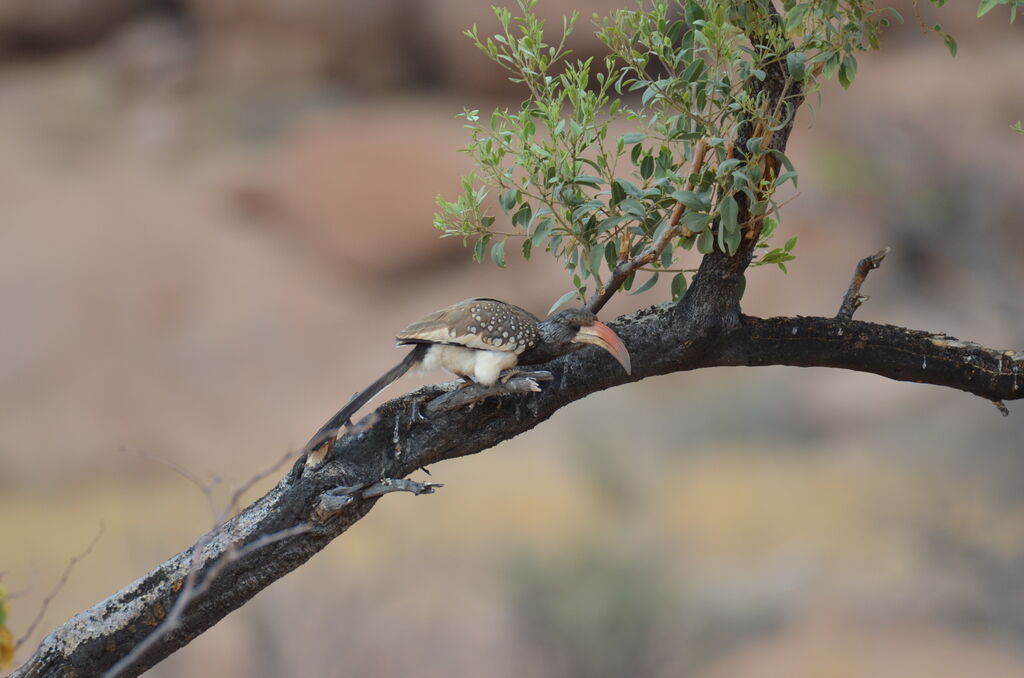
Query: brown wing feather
{"points": [[486, 324]]}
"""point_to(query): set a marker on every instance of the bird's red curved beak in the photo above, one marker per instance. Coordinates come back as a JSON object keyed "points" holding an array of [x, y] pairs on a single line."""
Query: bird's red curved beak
{"points": [[601, 335]]}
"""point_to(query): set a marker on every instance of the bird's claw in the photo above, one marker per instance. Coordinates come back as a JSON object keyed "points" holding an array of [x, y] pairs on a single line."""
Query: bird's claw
{"points": [[468, 396]]}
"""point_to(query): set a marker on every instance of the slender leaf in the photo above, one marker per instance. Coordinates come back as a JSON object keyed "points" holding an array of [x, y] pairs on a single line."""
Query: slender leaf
{"points": [[986, 6], [678, 286], [541, 231], [594, 260], [651, 282], [498, 253], [729, 211], [561, 300]]}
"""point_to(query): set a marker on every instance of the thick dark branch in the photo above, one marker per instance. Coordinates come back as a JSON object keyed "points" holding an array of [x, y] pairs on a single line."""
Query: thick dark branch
{"points": [[661, 339], [853, 299], [885, 350]]}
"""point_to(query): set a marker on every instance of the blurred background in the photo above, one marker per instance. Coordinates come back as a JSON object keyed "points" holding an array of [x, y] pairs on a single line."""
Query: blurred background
{"points": [[215, 215]]}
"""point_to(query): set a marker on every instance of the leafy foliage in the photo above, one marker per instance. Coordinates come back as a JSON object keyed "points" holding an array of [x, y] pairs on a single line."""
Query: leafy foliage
{"points": [[683, 74], [986, 6]]}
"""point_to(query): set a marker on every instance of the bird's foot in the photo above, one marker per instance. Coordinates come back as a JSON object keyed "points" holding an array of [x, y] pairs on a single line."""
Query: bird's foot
{"points": [[509, 374], [471, 394]]}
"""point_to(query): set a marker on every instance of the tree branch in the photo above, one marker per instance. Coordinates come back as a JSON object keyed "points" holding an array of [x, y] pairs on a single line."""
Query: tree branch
{"points": [[627, 267], [662, 339], [886, 350]]}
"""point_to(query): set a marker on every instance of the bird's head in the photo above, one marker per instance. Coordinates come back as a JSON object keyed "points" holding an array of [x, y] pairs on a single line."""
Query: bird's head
{"points": [[580, 326]]}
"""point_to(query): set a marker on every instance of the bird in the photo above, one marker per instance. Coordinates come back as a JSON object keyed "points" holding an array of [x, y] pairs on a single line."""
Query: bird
{"points": [[478, 339]]}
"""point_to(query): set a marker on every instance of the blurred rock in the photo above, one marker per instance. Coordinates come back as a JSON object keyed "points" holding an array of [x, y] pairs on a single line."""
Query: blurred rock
{"points": [[29, 25], [360, 184], [258, 40]]}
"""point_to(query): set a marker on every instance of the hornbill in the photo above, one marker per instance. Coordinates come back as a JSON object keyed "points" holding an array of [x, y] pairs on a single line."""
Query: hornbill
{"points": [[480, 338]]}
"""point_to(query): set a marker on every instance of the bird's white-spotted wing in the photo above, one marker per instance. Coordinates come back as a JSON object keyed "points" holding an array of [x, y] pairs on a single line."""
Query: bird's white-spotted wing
{"points": [[485, 324]]}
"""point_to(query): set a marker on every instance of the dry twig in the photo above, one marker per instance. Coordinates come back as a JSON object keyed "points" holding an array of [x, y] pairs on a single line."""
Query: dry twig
{"points": [[853, 299], [57, 589]]}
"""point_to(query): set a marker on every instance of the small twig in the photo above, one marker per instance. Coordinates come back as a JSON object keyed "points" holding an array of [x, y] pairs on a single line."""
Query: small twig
{"points": [[57, 589], [191, 589], [336, 499], [389, 485], [1001, 406], [236, 496], [853, 299], [522, 382], [191, 586], [206, 488], [629, 266]]}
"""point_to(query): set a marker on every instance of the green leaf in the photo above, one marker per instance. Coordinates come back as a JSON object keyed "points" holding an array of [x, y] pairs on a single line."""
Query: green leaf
{"points": [[561, 300], [618, 194], [795, 17], [527, 248], [611, 254], [523, 216], [730, 241], [695, 221], [706, 241], [727, 165], [588, 180], [651, 282], [541, 231], [628, 282], [608, 224], [786, 176], [647, 167], [950, 44], [633, 208], [678, 286], [795, 63], [508, 199], [667, 256], [594, 259], [633, 137], [693, 201], [729, 210], [790, 244], [480, 248], [498, 253], [630, 188], [586, 208], [985, 6], [847, 71]]}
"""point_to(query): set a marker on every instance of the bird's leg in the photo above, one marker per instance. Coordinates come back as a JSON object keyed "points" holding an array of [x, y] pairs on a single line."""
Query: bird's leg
{"points": [[520, 382], [509, 373]]}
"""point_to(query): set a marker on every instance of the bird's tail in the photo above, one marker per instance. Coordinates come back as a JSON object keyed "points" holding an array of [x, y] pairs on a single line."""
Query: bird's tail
{"points": [[340, 419]]}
